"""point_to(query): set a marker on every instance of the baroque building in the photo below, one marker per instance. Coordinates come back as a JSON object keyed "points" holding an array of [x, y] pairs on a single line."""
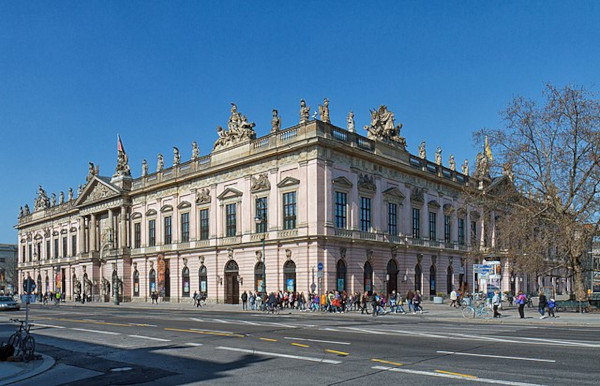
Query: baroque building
{"points": [[310, 208]]}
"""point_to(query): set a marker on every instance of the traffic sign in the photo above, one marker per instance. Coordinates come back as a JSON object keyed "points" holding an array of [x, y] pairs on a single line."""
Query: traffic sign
{"points": [[28, 285], [320, 266]]}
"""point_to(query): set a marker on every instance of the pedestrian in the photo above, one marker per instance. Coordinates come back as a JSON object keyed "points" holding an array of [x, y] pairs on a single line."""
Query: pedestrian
{"points": [[363, 303], [521, 300], [496, 302], [409, 299], [453, 298], [375, 302], [244, 301], [252, 300], [543, 302], [417, 302], [551, 307], [195, 297]]}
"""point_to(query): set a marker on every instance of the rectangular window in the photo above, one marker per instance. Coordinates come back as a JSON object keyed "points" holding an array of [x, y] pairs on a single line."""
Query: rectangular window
{"points": [[473, 232], [73, 245], [56, 248], [185, 227], [432, 226], [152, 233], [23, 254], [261, 214], [230, 220], [461, 231], [392, 219], [167, 229], [30, 252], [39, 251], [341, 209], [289, 210], [365, 214], [48, 250], [204, 224], [416, 223], [137, 235], [64, 246], [447, 229]]}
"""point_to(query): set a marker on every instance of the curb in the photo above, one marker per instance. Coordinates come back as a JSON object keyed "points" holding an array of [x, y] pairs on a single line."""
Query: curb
{"points": [[46, 365]]}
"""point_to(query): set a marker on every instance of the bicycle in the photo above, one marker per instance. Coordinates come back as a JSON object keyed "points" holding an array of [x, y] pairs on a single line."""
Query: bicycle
{"points": [[22, 341], [471, 312]]}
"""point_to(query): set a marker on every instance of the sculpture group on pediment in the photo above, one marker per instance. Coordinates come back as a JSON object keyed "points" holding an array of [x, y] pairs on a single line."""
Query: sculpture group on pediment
{"points": [[304, 112], [366, 182], [100, 191], [383, 126], [195, 151], [203, 196], [176, 156], [350, 122], [324, 111], [275, 122], [238, 129], [42, 201], [260, 182], [122, 168]]}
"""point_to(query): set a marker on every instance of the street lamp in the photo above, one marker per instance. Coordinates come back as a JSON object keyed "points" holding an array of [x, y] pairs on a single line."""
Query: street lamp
{"points": [[102, 260], [261, 219]]}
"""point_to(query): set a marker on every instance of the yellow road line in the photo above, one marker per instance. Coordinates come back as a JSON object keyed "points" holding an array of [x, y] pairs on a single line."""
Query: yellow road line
{"points": [[205, 332], [457, 374], [386, 362], [268, 339], [300, 345], [337, 352]]}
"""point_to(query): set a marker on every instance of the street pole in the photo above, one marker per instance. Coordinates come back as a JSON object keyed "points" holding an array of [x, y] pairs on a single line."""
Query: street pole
{"points": [[264, 265]]}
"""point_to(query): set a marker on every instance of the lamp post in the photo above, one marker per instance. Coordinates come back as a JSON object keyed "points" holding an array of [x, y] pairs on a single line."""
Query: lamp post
{"points": [[261, 219], [102, 260]]}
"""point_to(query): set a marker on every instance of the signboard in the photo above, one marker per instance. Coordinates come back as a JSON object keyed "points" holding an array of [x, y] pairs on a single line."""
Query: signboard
{"points": [[259, 285], [320, 274], [289, 285], [320, 266], [340, 284], [203, 286], [482, 269], [58, 281], [162, 267]]}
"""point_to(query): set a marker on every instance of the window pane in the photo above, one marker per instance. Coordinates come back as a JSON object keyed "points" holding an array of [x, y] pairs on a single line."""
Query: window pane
{"points": [[261, 214], [289, 210], [231, 225], [137, 232], [392, 219], [365, 214], [204, 224], [432, 226], [167, 223], [341, 209], [152, 233], [185, 227], [416, 223]]}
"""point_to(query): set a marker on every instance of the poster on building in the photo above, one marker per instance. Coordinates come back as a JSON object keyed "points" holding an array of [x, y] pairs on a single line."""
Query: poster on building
{"points": [[340, 284], [203, 286], [162, 266], [259, 285], [58, 281], [290, 285]]}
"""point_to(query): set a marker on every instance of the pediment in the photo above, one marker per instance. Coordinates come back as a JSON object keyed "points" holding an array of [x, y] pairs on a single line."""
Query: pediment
{"points": [[448, 209], [151, 212], [166, 208], [433, 204], [288, 181], [342, 182], [183, 205], [136, 215], [229, 193], [394, 193], [96, 190]]}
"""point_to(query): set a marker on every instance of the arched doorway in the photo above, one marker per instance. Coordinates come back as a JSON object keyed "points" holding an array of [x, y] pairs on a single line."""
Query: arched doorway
{"points": [[368, 278], [232, 286], [432, 281], [449, 279], [340, 269], [392, 276], [259, 272], [418, 278], [167, 284], [47, 286], [136, 283], [152, 281], [185, 282], [203, 279], [289, 276]]}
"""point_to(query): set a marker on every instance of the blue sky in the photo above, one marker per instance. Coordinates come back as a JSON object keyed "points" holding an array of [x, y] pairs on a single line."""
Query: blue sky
{"points": [[162, 74]]}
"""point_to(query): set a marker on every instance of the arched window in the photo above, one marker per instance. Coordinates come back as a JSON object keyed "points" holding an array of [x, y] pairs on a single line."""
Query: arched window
{"points": [[259, 272], [368, 278], [432, 281], [289, 276], [203, 279], [185, 282], [449, 279], [152, 281], [418, 277], [136, 283], [340, 269]]}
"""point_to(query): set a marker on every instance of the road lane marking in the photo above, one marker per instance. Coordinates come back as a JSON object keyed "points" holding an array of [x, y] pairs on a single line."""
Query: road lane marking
{"points": [[496, 356], [281, 324], [315, 340], [143, 325], [47, 325], [250, 323], [337, 352], [329, 329], [367, 331], [300, 344], [193, 344], [222, 321], [88, 321], [96, 331], [386, 362], [567, 342], [204, 332], [206, 329], [273, 354], [444, 375], [457, 374], [268, 339], [197, 320], [150, 338]]}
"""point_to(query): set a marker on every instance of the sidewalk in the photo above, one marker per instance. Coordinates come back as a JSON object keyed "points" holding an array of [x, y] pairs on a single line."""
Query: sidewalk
{"points": [[11, 372]]}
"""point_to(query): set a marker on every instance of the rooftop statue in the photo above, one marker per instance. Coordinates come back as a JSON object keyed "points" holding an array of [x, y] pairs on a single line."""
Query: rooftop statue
{"points": [[383, 126], [144, 168], [79, 190], [482, 167], [91, 172], [350, 122], [26, 210], [53, 200], [70, 194], [324, 111], [42, 201], [176, 156], [452, 163], [304, 112], [195, 151], [122, 168], [20, 212], [238, 130], [465, 167], [160, 163], [61, 198], [422, 151], [438, 156], [275, 122]]}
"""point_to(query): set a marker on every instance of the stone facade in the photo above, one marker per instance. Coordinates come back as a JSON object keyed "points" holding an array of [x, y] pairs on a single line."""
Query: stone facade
{"points": [[374, 215]]}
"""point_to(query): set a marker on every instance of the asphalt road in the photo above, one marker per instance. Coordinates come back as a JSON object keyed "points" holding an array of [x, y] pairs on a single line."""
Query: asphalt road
{"points": [[157, 346]]}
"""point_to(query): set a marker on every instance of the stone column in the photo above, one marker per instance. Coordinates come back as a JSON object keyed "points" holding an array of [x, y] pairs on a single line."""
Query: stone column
{"points": [[111, 228], [123, 229], [80, 235], [92, 232]]}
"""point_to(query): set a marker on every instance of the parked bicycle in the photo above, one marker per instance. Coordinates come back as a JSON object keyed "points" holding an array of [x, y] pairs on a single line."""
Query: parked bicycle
{"points": [[22, 341], [481, 310]]}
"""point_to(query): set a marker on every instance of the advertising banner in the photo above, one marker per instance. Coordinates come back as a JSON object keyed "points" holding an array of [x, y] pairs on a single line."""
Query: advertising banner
{"points": [[162, 267]]}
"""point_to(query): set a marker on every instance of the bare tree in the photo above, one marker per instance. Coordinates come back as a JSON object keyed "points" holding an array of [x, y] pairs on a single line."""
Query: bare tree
{"points": [[552, 150]]}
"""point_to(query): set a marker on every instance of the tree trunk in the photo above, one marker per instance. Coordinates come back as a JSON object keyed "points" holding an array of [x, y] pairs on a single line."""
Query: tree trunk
{"points": [[580, 293]]}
